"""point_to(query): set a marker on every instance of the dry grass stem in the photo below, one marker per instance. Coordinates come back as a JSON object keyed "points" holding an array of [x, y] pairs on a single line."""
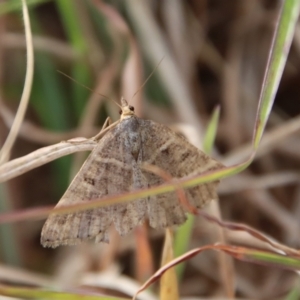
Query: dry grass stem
{"points": [[6, 148]]}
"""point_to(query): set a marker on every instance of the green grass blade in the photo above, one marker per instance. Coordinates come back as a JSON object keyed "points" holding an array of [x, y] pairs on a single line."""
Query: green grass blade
{"points": [[69, 17], [49, 101], [15, 5], [271, 259], [294, 294], [48, 98], [184, 232], [9, 247], [211, 131], [281, 44], [80, 70], [181, 242], [31, 293]]}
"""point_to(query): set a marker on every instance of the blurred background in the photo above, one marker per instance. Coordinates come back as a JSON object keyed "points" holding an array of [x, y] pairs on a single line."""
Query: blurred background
{"points": [[213, 53]]}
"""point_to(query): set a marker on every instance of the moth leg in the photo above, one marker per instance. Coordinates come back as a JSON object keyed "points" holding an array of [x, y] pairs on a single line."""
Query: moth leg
{"points": [[97, 137], [105, 128], [106, 123]]}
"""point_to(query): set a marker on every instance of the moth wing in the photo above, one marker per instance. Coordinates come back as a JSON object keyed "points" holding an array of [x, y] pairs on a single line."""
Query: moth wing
{"points": [[174, 154], [108, 170]]}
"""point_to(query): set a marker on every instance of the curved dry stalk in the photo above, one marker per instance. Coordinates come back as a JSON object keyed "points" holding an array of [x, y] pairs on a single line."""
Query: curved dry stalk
{"points": [[42, 156], [240, 253], [5, 151], [277, 247]]}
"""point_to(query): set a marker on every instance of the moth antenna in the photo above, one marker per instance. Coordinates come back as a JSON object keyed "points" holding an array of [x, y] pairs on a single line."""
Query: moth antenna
{"points": [[88, 88], [147, 79]]}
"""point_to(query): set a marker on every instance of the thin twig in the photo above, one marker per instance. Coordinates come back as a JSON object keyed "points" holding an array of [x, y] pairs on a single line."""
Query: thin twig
{"points": [[5, 151], [42, 156]]}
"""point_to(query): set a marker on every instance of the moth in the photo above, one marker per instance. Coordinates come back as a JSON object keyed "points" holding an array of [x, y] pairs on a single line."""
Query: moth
{"points": [[115, 167]]}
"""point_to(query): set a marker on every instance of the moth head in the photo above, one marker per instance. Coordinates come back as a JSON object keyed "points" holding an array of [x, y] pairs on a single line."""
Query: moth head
{"points": [[126, 109]]}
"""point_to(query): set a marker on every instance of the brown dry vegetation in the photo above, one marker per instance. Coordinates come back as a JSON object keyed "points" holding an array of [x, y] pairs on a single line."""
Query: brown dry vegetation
{"points": [[215, 53]]}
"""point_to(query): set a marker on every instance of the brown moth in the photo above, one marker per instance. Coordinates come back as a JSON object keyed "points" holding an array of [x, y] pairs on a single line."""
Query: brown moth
{"points": [[115, 167]]}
